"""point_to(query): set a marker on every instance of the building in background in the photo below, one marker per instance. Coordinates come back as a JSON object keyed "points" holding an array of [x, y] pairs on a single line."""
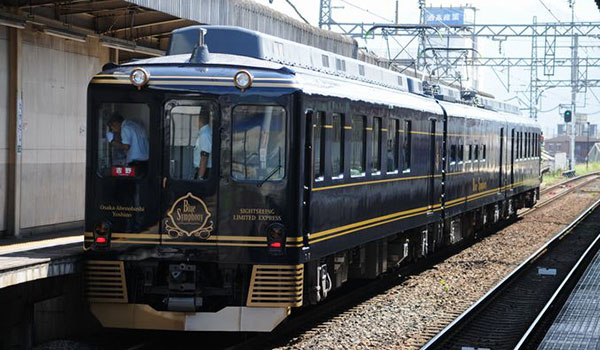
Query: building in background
{"points": [[559, 144]]}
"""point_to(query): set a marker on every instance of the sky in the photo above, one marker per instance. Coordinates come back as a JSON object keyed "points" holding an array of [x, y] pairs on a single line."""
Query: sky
{"points": [[488, 12]]}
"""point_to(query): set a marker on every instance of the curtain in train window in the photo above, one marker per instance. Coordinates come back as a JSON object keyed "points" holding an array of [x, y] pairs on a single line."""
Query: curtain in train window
{"points": [[358, 145], [319, 145], [337, 146], [123, 145], [258, 143], [392, 146], [375, 147]]}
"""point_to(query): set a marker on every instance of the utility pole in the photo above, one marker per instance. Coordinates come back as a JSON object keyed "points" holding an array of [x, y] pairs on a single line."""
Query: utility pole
{"points": [[574, 76]]}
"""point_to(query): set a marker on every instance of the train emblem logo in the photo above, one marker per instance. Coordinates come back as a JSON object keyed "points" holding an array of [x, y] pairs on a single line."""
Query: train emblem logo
{"points": [[189, 217]]}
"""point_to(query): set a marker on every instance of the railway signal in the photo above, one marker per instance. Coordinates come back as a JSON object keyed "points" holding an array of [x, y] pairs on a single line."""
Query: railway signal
{"points": [[568, 116]]}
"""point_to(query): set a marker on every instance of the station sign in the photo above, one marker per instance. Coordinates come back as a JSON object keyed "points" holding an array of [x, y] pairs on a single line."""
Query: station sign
{"points": [[444, 15]]}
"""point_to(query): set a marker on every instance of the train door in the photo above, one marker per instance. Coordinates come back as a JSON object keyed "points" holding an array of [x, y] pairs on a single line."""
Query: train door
{"points": [[501, 169], [512, 156], [190, 171], [308, 172], [433, 162]]}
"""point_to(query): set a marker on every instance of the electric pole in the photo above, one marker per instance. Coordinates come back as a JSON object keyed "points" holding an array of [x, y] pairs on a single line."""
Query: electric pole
{"points": [[574, 76]]}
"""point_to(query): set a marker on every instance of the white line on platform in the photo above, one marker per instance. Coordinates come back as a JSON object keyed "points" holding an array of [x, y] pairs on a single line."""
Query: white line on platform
{"points": [[46, 243]]}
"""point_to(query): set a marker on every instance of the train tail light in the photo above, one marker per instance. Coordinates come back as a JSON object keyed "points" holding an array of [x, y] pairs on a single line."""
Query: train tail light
{"points": [[102, 236], [276, 239]]}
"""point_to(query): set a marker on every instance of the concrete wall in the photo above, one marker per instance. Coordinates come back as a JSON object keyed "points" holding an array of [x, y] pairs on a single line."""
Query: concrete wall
{"points": [[56, 73], [3, 123]]}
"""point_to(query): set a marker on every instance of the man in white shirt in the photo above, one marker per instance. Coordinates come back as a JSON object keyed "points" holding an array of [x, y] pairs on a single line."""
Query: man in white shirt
{"points": [[203, 146], [134, 141]]}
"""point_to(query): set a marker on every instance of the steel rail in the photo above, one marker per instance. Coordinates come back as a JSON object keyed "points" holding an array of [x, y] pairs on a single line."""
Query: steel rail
{"points": [[478, 307]]}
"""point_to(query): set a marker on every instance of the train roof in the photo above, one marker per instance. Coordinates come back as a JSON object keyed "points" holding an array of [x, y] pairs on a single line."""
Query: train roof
{"points": [[348, 78]]}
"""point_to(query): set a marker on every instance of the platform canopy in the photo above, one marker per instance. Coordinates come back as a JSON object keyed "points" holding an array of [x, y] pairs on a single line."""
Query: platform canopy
{"points": [[133, 29]]}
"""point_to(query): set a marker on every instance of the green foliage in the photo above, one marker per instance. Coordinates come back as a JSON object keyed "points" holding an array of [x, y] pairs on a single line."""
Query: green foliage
{"points": [[580, 169]]}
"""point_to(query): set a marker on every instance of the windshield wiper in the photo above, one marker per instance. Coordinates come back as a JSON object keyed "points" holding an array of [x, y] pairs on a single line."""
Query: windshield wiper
{"points": [[270, 175]]}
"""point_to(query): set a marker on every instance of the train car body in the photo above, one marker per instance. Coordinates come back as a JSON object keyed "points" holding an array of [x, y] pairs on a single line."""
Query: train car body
{"points": [[311, 176]]}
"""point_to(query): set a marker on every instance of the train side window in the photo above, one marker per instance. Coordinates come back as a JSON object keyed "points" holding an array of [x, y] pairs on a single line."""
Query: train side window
{"points": [[483, 153], [453, 154], [527, 145], [258, 144], [123, 145], [518, 153], [191, 134], [319, 146], [376, 147], [407, 145], [470, 158], [461, 154], [392, 146], [358, 146], [337, 146], [520, 145], [476, 156]]}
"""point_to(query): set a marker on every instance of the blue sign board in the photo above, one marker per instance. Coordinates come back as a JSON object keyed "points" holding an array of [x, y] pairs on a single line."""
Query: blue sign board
{"points": [[448, 16]]}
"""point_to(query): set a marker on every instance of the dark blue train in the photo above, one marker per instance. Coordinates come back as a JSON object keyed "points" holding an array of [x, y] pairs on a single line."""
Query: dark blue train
{"points": [[242, 175]]}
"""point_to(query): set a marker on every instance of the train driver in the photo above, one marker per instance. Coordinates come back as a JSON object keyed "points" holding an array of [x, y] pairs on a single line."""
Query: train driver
{"points": [[134, 141], [203, 146]]}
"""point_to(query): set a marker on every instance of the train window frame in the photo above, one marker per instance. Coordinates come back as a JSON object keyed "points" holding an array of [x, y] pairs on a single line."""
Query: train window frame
{"points": [[483, 153], [476, 153], [102, 136], [407, 146], [453, 154], [335, 175], [376, 138], [356, 130], [393, 131], [283, 165], [319, 127], [469, 153], [325, 61], [460, 152], [171, 105]]}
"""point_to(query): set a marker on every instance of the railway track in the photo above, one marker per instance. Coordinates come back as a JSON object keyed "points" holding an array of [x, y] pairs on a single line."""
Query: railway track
{"points": [[512, 314], [585, 179]]}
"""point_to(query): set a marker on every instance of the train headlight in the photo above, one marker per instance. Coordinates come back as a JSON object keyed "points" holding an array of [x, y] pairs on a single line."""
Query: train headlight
{"points": [[139, 77], [242, 80]]}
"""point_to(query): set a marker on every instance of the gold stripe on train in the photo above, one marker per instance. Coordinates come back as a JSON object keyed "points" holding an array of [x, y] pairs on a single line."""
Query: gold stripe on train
{"points": [[361, 225]]}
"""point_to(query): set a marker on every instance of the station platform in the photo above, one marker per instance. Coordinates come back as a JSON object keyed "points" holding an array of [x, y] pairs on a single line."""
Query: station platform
{"points": [[577, 325], [24, 261]]}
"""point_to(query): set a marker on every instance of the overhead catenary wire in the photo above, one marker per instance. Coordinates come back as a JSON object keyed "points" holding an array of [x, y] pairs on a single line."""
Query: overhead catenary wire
{"points": [[367, 11]]}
